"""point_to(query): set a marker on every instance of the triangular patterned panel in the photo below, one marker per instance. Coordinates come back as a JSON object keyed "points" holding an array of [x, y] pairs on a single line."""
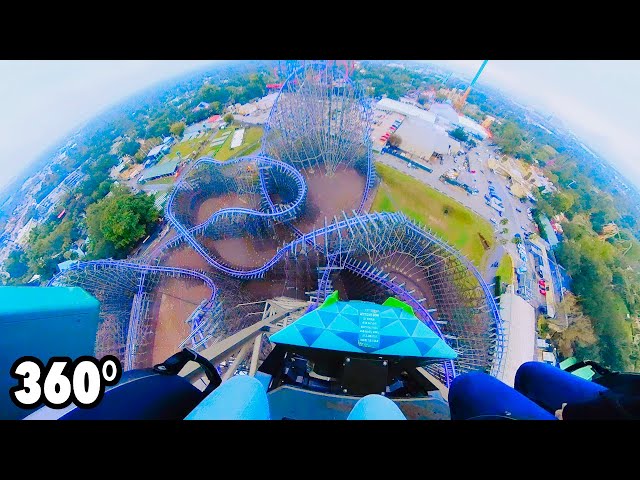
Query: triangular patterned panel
{"points": [[310, 334], [342, 324], [347, 308], [325, 317], [388, 312], [425, 344], [441, 350], [422, 331], [405, 348], [330, 341], [289, 336], [395, 328], [311, 320], [350, 337], [388, 340], [360, 326]]}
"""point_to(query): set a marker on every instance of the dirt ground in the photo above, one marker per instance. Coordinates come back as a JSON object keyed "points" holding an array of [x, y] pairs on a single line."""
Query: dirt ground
{"points": [[186, 257], [213, 204], [245, 252], [176, 299], [329, 196]]}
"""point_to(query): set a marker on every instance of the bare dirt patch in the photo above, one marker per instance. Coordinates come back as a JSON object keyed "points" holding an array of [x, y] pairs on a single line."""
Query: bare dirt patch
{"points": [[329, 196]]}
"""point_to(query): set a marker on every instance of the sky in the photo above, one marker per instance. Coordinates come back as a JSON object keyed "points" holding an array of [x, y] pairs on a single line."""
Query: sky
{"points": [[43, 101], [598, 100]]}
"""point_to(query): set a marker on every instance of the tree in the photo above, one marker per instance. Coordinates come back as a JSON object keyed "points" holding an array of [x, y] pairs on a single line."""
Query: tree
{"points": [[177, 128], [129, 147], [459, 134], [16, 264], [395, 140], [509, 138], [119, 220], [228, 118], [441, 97], [504, 221]]}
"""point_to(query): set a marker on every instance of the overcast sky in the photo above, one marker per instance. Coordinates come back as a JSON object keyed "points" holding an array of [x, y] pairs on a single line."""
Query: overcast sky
{"points": [[42, 101], [598, 100]]}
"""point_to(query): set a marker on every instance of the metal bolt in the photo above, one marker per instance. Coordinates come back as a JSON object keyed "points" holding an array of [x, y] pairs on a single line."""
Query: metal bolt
{"points": [[348, 360], [344, 390], [384, 363], [383, 393]]}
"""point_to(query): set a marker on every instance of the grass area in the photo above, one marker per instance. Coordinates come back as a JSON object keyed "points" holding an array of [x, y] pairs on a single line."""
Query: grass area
{"points": [[505, 269], [162, 181], [445, 216], [185, 148], [250, 143]]}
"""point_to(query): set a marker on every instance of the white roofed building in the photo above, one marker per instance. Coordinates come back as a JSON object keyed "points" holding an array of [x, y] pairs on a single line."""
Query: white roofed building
{"points": [[389, 105]]}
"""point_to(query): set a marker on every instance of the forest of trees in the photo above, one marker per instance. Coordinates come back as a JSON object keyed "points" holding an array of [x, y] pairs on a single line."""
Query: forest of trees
{"points": [[391, 82]]}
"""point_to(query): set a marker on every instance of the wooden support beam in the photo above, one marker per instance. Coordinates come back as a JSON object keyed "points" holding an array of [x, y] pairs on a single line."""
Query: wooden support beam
{"points": [[236, 363], [255, 355]]}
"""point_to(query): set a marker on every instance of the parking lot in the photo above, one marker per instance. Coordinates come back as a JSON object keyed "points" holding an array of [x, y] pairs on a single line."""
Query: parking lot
{"points": [[381, 125], [514, 211]]}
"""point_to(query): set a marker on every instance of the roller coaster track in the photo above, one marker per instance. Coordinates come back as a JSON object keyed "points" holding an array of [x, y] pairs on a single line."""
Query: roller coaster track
{"points": [[207, 306], [319, 239]]}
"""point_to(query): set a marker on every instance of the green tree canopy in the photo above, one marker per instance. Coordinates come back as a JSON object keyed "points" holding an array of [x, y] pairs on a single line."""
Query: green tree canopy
{"points": [[177, 128], [129, 147], [459, 134], [119, 220], [16, 264]]}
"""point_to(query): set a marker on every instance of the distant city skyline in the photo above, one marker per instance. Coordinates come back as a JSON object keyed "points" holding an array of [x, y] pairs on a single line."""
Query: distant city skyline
{"points": [[45, 101], [596, 99]]}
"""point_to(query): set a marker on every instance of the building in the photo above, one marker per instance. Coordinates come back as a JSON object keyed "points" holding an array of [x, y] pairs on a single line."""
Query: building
{"points": [[472, 127], [238, 137], [488, 120], [212, 121], [266, 102], [422, 139], [445, 112], [193, 130], [118, 169], [519, 318], [548, 230], [168, 141], [156, 153], [247, 109], [62, 266], [71, 180], [158, 171], [388, 105], [201, 106]]}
